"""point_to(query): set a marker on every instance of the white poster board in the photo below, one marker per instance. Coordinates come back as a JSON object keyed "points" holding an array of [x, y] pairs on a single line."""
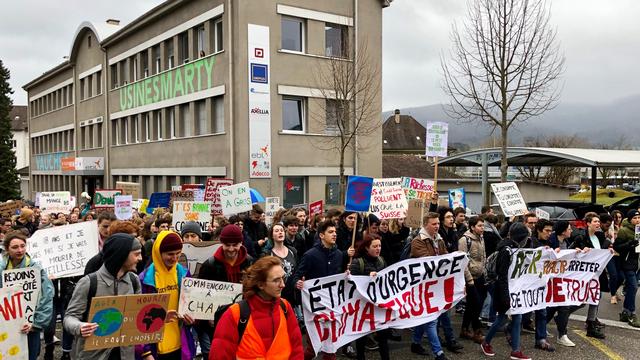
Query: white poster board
{"points": [[53, 202], [388, 199], [123, 207], [437, 139], [272, 205], [29, 282], [184, 211], [200, 298], [194, 254], [14, 344], [235, 199], [509, 198]]}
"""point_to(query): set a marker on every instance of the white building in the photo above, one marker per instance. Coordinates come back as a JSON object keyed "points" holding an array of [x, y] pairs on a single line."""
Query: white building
{"points": [[20, 132]]}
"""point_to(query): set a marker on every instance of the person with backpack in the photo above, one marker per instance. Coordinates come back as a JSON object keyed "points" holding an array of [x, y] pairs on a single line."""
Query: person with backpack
{"points": [[472, 243], [262, 326], [499, 264], [116, 276], [625, 245], [289, 257]]}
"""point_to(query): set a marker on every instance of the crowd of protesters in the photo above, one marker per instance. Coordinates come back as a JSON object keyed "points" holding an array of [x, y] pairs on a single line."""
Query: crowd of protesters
{"points": [[273, 262]]}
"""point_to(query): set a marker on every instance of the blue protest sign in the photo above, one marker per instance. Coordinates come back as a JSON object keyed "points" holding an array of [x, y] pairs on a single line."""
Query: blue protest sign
{"points": [[358, 196], [158, 200], [457, 198]]}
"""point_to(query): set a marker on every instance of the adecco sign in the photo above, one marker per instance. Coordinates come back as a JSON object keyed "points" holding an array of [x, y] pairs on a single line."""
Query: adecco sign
{"points": [[105, 198]]}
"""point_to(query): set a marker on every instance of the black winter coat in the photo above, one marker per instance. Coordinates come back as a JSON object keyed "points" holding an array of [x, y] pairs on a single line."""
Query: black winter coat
{"points": [[502, 299], [450, 237], [320, 262], [371, 264], [625, 245]]}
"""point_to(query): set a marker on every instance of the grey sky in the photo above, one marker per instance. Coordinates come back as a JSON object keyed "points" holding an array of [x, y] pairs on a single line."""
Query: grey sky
{"points": [[601, 42]]}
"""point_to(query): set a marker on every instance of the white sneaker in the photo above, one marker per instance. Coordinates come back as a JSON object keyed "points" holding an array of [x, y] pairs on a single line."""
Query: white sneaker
{"points": [[564, 341]]}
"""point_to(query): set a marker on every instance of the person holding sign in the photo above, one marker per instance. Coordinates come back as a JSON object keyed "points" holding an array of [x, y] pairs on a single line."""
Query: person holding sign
{"points": [[271, 330], [164, 275], [472, 243], [626, 245], [16, 257]]}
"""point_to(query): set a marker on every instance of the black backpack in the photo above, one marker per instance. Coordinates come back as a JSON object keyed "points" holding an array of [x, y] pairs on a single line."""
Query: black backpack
{"points": [[245, 313], [491, 273], [93, 287]]}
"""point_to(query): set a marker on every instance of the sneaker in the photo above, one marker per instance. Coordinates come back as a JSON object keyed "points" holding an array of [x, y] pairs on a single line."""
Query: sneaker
{"points": [[418, 349], [528, 328], [394, 335], [564, 341], [545, 345], [442, 356], [599, 324], [56, 341], [594, 331], [487, 349], [466, 334], [633, 321], [518, 355], [454, 346]]}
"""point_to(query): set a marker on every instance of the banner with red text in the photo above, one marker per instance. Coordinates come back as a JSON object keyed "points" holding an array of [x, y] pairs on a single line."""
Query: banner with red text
{"points": [[339, 309]]}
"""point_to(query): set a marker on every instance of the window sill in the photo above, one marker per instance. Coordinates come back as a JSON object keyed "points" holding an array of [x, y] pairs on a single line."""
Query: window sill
{"points": [[291, 52], [90, 98], [172, 139], [93, 148], [301, 133]]}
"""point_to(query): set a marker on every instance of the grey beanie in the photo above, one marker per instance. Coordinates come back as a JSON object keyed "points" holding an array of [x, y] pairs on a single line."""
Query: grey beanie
{"points": [[191, 227]]}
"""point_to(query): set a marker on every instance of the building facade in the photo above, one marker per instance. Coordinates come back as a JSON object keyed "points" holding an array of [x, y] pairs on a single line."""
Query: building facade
{"points": [[197, 89], [20, 144]]}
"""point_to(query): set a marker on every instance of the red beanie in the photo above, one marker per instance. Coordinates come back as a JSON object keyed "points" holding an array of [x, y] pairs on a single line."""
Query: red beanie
{"points": [[231, 234], [171, 242]]}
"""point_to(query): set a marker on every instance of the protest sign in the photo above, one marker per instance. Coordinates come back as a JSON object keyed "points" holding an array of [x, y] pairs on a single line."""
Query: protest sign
{"points": [[316, 208], [28, 281], [143, 205], [200, 298], [358, 195], [130, 188], [339, 309], [13, 343], [196, 189], [106, 198], [212, 193], [10, 208], [541, 278], [541, 214], [158, 200], [271, 206], [180, 195], [416, 211], [637, 237], [123, 207], [235, 199], [126, 320], [387, 199], [457, 198], [436, 141], [53, 202], [194, 254], [509, 198], [417, 188], [63, 251], [184, 211]]}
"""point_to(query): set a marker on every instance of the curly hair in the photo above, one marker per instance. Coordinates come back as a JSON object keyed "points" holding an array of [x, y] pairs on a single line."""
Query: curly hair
{"points": [[256, 275], [124, 227]]}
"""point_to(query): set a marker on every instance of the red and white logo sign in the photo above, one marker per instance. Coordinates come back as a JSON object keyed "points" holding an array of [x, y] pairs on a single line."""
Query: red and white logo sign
{"points": [[258, 52]]}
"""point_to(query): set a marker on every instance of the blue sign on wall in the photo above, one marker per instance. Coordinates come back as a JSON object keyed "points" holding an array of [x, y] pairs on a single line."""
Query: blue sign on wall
{"points": [[51, 162]]}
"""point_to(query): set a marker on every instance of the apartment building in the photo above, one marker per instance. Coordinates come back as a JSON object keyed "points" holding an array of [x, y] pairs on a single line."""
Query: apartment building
{"points": [[197, 89]]}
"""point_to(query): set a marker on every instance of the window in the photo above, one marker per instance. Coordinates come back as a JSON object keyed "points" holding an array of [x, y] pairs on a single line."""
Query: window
{"points": [[335, 37], [89, 41], [124, 73], [332, 190], [183, 41], [83, 137], [200, 41], [201, 117], [124, 131], [144, 59], [158, 125], [337, 111], [135, 129], [219, 39], [218, 114], [99, 135], [292, 34], [292, 114], [114, 133], [99, 82], [185, 121], [169, 46], [146, 123], [89, 86], [156, 59], [171, 123], [114, 76], [134, 68], [82, 89], [293, 191]]}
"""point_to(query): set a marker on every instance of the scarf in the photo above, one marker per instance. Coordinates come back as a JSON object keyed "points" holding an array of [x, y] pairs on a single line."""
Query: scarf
{"points": [[166, 281]]}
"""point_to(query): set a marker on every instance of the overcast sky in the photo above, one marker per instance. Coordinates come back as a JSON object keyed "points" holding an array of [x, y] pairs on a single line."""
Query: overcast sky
{"points": [[600, 39]]}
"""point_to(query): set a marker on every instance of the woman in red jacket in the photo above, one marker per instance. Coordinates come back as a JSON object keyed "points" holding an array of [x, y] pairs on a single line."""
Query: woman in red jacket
{"points": [[272, 331]]}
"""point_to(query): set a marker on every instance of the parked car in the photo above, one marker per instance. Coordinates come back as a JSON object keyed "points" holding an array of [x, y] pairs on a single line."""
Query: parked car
{"points": [[626, 204], [572, 211]]}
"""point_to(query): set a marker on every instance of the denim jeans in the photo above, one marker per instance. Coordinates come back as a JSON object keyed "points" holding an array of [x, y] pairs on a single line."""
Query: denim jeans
{"points": [[444, 321], [501, 319], [488, 311], [541, 324], [33, 340], [203, 333], [431, 328], [630, 289]]}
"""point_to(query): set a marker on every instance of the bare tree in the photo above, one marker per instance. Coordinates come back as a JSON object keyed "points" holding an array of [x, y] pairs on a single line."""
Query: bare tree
{"points": [[349, 86], [605, 173], [503, 65]]}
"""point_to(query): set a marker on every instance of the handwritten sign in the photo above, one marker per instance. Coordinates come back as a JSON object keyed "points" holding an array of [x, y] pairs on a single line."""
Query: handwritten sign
{"points": [[127, 320], [200, 298], [316, 208], [63, 251], [194, 254], [197, 190], [541, 214], [416, 211], [13, 343], [272, 205], [417, 188], [387, 199], [28, 281], [212, 193], [184, 211], [130, 188], [358, 195], [123, 207], [106, 198], [53, 202], [180, 195], [235, 199], [437, 139], [509, 198]]}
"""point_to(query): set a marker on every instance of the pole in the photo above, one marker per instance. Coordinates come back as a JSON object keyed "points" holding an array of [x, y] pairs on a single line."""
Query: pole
{"points": [[435, 174], [353, 238]]}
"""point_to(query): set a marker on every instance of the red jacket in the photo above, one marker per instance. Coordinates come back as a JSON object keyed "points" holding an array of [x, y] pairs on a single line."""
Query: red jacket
{"points": [[265, 316]]}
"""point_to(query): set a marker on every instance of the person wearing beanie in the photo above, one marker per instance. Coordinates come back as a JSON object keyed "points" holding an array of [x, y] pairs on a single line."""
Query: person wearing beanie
{"points": [[25, 221], [191, 232], [164, 276], [115, 277], [625, 245]]}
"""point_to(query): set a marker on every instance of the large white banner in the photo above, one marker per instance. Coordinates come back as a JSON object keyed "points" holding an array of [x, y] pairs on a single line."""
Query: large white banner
{"points": [[259, 102], [200, 298], [13, 343], [540, 278], [194, 254], [339, 309], [509, 198], [29, 282], [63, 251]]}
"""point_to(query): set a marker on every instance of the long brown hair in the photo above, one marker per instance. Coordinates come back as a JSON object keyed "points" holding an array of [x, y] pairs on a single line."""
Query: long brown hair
{"points": [[256, 275]]}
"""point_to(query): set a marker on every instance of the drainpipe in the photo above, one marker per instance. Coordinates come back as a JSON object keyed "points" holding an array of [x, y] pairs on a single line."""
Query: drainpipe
{"points": [[106, 121]]}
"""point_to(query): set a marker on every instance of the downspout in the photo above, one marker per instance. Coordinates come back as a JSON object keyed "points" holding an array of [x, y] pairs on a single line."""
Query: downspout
{"points": [[231, 174], [31, 150], [106, 122], [355, 96], [76, 132]]}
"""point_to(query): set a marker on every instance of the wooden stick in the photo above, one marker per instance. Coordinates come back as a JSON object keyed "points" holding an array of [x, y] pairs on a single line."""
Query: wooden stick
{"points": [[435, 174], [353, 239]]}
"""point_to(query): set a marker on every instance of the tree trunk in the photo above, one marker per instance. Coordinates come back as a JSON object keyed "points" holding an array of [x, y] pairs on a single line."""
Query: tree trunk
{"points": [[343, 180], [503, 162]]}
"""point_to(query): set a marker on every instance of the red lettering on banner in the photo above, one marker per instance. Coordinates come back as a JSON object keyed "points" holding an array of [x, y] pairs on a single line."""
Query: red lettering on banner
{"points": [[554, 286], [367, 314], [322, 332], [415, 300], [428, 296], [11, 310], [406, 298], [353, 311], [448, 292]]}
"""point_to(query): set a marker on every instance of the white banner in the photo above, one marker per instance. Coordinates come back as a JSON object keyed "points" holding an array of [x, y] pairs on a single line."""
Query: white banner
{"points": [[63, 251], [235, 199], [417, 188], [540, 278], [437, 139], [200, 298], [123, 207], [54, 202], [13, 343], [29, 282], [388, 199], [184, 211], [259, 102], [509, 198], [339, 309]]}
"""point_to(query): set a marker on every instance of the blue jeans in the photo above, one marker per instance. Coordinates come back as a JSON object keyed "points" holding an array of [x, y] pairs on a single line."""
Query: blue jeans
{"points": [[444, 321], [541, 324], [33, 339], [501, 319], [431, 329], [630, 289], [203, 334]]}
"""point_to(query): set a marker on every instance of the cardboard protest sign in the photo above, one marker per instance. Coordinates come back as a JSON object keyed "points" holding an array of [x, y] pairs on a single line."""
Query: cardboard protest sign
{"points": [[106, 198], [541, 214], [181, 195], [316, 208], [63, 251], [144, 203], [358, 194], [194, 254], [200, 298], [130, 188], [457, 198], [10, 208], [339, 309], [235, 199], [271, 206], [53, 202], [184, 211], [417, 188], [28, 281], [387, 199], [212, 193], [415, 212], [509, 198], [437, 139], [13, 343], [127, 320], [123, 207], [197, 190], [158, 200], [540, 278]]}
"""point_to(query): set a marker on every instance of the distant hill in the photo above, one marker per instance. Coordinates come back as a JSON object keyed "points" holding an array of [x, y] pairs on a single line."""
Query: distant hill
{"points": [[600, 124]]}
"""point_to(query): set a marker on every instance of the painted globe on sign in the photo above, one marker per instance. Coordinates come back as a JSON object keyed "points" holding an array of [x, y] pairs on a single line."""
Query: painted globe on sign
{"points": [[109, 321]]}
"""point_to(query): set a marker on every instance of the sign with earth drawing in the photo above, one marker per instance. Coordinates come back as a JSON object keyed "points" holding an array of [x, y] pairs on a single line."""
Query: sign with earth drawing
{"points": [[127, 320]]}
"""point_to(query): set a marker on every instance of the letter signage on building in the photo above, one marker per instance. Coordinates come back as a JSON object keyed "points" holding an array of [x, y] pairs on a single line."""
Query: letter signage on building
{"points": [[259, 103]]}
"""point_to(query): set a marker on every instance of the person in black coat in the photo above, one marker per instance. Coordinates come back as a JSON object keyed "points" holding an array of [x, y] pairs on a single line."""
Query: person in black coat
{"points": [[256, 229], [448, 229], [344, 231]]}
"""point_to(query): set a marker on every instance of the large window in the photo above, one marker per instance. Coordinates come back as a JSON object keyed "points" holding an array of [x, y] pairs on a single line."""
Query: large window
{"points": [[135, 129], [293, 34], [124, 131], [292, 114], [144, 59], [332, 190], [218, 114], [335, 37], [337, 111], [99, 82], [185, 121], [293, 191], [158, 125], [201, 117], [146, 124], [171, 123], [200, 41], [169, 51], [156, 59], [183, 41], [219, 39]]}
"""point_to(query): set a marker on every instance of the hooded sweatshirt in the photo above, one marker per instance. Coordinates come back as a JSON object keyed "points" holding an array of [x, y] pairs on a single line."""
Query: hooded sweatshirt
{"points": [[234, 271]]}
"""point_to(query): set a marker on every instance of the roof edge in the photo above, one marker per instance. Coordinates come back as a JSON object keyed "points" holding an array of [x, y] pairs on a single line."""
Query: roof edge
{"points": [[47, 75]]}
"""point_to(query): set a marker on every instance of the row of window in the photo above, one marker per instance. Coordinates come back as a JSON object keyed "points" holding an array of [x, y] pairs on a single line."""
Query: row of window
{"points": [[294, 37], [190, 119], [159, 183], [91, 85], [60, 141], [91, 136], [54, 183], [52, 101], [295, 109], [200, 41]]}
